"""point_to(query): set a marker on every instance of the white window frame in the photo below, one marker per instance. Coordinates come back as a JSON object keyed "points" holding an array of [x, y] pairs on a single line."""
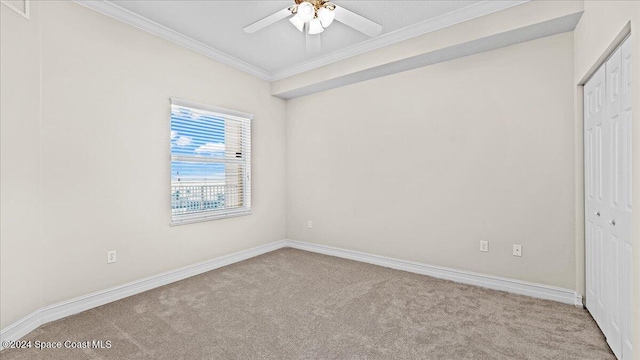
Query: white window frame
{"points": [[246, 119]]}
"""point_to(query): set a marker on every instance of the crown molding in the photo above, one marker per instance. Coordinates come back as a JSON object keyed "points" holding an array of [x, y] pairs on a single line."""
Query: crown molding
{"points": [[455, 17], [110, 9]]}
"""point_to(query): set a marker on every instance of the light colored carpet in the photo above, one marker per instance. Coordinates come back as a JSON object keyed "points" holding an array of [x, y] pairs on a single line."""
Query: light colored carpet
{"points": [[292, 304]]}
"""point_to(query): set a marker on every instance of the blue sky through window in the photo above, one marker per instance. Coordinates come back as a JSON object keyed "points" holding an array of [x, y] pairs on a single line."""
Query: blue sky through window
{"points": [[194, 135]]}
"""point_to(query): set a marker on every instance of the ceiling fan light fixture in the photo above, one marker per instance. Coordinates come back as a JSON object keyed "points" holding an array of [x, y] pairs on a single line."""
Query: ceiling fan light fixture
{"points": [[326, 16], [315, 27], [306, 11], [297, 22]]}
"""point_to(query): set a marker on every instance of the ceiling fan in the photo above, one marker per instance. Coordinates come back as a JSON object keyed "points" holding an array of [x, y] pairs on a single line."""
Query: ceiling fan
{"points": [[314, 16]]}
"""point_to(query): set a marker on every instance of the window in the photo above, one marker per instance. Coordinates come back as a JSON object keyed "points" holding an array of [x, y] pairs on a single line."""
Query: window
{"points": [[210, 162]]}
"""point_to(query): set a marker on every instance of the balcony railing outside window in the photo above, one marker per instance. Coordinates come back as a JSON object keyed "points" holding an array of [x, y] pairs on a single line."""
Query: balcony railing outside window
{"points": [[192, 198]]}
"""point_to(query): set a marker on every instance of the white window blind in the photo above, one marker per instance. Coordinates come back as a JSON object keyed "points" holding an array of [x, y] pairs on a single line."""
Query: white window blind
{"points": [[210, 162], [19, 6]]}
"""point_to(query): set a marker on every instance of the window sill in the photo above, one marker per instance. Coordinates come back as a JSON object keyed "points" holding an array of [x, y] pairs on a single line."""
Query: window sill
{"points": [[209, 218]]}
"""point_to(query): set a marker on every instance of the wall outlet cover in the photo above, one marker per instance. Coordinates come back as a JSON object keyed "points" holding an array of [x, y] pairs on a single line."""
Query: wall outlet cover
{"points": [[484, 246], [111, 256], [517, 250]]}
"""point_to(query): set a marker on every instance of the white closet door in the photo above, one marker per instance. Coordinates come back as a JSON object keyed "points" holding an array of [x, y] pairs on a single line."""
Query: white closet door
{"points": [[616, 222], [607, 138], [595, 202], [622, 213]]}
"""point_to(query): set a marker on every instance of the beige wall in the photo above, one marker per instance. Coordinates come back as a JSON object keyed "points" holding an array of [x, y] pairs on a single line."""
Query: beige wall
{"points": [[104, 136], [424, 164], [19, 165], [594, 36]]}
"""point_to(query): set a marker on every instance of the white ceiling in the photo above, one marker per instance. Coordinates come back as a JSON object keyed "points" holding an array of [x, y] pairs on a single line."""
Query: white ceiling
{"points": [[218, 25]]}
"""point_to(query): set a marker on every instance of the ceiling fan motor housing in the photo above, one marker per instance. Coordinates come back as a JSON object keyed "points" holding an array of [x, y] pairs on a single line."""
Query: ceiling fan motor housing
{"points": [[317, 4]]}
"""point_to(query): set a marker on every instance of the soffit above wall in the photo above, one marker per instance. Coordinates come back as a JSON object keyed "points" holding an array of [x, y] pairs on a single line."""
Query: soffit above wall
{"points": [[529, 21]]}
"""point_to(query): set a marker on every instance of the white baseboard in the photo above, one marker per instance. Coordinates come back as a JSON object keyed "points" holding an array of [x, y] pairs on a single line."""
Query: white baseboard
{"points": [[54, 312], [466, 277], [50, 313]]}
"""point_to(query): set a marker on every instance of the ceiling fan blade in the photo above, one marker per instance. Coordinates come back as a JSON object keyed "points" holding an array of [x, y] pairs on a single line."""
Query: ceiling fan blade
{"points": [[273, 18], [357, 22], [314, 43]]}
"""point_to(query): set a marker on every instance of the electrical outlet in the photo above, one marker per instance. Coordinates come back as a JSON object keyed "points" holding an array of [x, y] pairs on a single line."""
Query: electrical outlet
{"points": [[484, 246], [517, 250], [111, 256], [309, 224]]}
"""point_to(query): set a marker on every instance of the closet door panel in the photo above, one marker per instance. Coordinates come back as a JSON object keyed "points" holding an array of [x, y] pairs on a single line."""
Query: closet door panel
{"points": [[614, 148], [623, 212], [595, 197]]}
